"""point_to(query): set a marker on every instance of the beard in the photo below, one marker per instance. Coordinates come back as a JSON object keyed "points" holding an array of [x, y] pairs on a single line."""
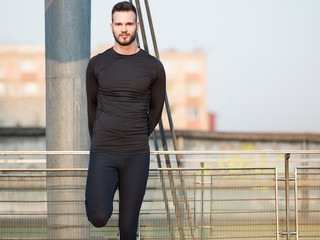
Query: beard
{"points": [[127, 41]]}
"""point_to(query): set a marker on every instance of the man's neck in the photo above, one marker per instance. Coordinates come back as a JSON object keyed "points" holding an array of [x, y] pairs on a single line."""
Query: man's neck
{"points": [[126, 50]]}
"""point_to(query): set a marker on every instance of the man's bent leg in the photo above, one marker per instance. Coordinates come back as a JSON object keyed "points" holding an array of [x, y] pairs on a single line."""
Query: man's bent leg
{"points": [[102, 182]]}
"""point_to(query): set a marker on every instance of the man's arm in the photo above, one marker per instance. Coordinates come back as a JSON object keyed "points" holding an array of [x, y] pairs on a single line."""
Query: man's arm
{"points": [[158, 92], [91, 87]]}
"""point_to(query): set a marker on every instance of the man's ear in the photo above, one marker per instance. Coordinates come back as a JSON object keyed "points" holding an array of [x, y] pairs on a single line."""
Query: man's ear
{"points": [[138, 26]]}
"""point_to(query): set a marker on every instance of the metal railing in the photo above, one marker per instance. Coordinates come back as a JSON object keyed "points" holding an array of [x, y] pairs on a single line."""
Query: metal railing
{"points": [[198, 202], [307, 196]]}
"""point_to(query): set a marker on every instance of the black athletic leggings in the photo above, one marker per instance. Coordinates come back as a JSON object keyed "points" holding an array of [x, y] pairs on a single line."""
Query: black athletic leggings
{"points": [[106, 173]]}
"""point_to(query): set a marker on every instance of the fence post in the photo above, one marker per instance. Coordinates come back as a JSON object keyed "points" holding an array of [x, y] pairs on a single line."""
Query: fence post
{"points": [[287, 193], [202, 200]]}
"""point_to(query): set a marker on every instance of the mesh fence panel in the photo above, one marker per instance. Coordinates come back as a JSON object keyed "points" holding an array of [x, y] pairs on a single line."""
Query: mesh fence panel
{"points": [[210, 204], [244, 204], [179, 204], [23, 208], [308, 203], [45, 204]]}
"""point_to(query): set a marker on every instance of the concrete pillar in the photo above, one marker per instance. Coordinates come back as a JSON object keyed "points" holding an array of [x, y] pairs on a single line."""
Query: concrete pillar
{"points": [[67, 36]]}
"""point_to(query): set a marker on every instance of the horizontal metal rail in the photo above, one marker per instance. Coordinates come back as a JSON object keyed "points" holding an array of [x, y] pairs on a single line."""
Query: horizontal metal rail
{"points": [[151, 169], [206, 160], [27, 160], [230, 152]]}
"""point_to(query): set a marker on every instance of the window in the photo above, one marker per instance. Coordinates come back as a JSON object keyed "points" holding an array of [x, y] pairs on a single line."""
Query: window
{"points": [[3, 89], [193, 66], [193, 89], [28, 66], [30, 89], [192, 113], [170, 66], [2, 69], [171, 88]]}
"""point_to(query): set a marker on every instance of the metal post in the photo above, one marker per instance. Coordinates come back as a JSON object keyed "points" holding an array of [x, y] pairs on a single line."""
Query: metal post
{"points": [[163, 138], [277, 204], [202, 200], [171, 181], [211, 204], [155, 139], [287, 190], [305, 191], [164, 191], [296, 202], [172, 131], [67, 41], [143, 33]]}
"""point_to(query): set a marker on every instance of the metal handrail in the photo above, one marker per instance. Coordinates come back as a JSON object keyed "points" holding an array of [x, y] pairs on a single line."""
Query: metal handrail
{"points": [[228, 152]]}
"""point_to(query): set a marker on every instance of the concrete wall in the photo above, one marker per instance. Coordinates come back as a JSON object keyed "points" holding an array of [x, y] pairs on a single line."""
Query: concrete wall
{"points": [[33, 139], [22, 139]]}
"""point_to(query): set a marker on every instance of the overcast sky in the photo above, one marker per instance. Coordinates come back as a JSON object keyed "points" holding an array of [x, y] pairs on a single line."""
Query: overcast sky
{"points": [[263, 55]]}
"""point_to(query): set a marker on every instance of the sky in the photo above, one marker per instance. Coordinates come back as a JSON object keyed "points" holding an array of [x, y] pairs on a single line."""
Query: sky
{"points": [[263, 56]]}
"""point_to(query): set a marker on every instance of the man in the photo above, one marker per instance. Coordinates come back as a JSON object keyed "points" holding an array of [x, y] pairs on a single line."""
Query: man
{"points": [[125, 94]]}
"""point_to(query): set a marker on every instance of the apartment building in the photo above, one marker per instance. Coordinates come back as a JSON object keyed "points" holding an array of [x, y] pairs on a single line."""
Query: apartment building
{"points": [[22, 85], [187, 89]]}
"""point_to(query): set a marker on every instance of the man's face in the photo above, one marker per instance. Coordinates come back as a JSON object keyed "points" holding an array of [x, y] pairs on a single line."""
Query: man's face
{"points": [[124, 27]]}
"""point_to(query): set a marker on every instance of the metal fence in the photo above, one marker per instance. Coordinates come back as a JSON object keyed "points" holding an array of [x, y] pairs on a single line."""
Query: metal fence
{"points": [[180, 203], [307, 183]]}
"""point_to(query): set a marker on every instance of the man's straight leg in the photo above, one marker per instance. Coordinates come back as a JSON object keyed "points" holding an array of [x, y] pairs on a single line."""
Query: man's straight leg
{"points": [[133, 180]]}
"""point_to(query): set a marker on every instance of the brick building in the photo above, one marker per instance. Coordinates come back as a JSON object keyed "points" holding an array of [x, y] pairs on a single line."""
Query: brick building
{"points": [[22, 85]]}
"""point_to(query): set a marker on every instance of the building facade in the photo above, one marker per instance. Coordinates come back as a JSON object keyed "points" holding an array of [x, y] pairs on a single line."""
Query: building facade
{"points": [[22, 86], [187, 90]]}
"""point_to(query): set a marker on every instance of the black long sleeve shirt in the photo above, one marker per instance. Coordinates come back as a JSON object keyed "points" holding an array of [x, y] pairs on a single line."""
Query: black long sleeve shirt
{"points": [[125, 96]]}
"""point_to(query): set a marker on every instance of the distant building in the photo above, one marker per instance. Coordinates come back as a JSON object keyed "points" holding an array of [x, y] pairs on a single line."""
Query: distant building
{"points": [[22, 88], [187, 89]]}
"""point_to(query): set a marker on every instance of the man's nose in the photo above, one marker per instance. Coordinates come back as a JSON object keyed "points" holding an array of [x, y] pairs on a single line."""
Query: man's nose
{"points": [[124, 28]]}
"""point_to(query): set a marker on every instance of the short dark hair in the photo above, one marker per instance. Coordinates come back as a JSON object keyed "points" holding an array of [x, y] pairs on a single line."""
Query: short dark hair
{"points": [[124, 7]]}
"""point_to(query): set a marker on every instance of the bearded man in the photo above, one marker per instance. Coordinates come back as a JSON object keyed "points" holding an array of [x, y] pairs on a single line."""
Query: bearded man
{"points": [[125, 95]]}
